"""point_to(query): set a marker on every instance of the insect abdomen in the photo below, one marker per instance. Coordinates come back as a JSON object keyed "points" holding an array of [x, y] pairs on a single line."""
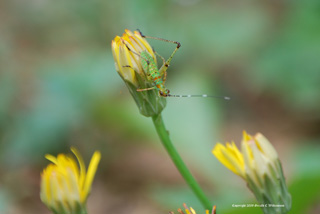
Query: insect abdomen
{"points": [[150, 68]]}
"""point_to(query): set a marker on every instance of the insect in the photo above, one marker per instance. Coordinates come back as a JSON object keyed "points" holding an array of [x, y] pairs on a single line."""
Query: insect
{"points": [[159, 76]]}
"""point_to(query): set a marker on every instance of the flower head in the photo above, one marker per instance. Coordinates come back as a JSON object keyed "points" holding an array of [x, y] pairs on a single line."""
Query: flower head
{"points": [[258, 164], [131, 67], [64, 186], [190, 210], [126, 50], [259, 156]]}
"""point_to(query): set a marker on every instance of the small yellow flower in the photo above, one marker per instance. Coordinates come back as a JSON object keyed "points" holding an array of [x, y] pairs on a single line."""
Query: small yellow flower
{"points": [[127, 62], [64, 186], [258, 164], [190, 210]]}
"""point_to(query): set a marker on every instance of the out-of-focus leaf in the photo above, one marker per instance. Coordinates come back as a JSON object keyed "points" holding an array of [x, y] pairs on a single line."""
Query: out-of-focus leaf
{"points": [[289, 65], [305, 188], [8, 88], [64, 99], [4, 201]]}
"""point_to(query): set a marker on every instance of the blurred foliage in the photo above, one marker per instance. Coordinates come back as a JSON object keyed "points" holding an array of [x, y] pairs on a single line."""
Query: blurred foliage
{"points": [[289, 62], [58, 87], [306, 186]]}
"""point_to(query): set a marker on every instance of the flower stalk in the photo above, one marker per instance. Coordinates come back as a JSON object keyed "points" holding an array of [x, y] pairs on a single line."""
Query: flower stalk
{"points": [[175, 157], [130, 66]]}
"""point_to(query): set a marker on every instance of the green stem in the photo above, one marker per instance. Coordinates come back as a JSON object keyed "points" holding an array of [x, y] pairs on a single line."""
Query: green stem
{"points": [[184, 171]]}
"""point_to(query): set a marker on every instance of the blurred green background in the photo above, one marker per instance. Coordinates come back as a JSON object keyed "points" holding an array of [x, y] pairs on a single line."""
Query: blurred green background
{"points": [[59, 88]]}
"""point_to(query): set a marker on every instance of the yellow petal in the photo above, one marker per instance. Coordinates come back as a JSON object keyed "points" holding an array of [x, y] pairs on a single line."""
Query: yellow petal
{"points": [[51, 158], [90, 174], [63, 185], [230, 157], [82, 167], [266, 147]]}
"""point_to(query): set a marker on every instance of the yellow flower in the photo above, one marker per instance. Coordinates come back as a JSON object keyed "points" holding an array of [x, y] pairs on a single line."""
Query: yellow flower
{"points": [[259, 156], [190, 210], [255, 151], [231, 157], [129, 65], [126, 61], [64, 186], [258, 164]]}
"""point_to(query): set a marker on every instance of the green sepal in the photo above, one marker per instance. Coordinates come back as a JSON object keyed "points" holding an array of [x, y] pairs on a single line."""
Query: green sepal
{"points": [[67, 208], [149, 102], [273, 190]]}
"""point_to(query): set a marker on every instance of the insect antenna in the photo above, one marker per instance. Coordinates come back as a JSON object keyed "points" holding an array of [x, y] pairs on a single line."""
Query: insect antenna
{"points": [[147, 61], [200, 95]]}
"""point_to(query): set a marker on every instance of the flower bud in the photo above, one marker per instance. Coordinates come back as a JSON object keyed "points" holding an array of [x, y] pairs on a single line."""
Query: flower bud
{"points": [[64, 186], [128, 62], [258, 164]]}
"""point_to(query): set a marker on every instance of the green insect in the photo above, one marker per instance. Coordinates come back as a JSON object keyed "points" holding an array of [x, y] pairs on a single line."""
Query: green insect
{"points": [[159, 76]]}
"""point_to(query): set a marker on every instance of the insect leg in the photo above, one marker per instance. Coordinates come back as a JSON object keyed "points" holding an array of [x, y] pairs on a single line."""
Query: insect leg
{"points": [[164, 40], [164, 67], [163, 59], [141, 89], [146, 89], [129, 66], [148, 74], [135, 52], [162, 72]]}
